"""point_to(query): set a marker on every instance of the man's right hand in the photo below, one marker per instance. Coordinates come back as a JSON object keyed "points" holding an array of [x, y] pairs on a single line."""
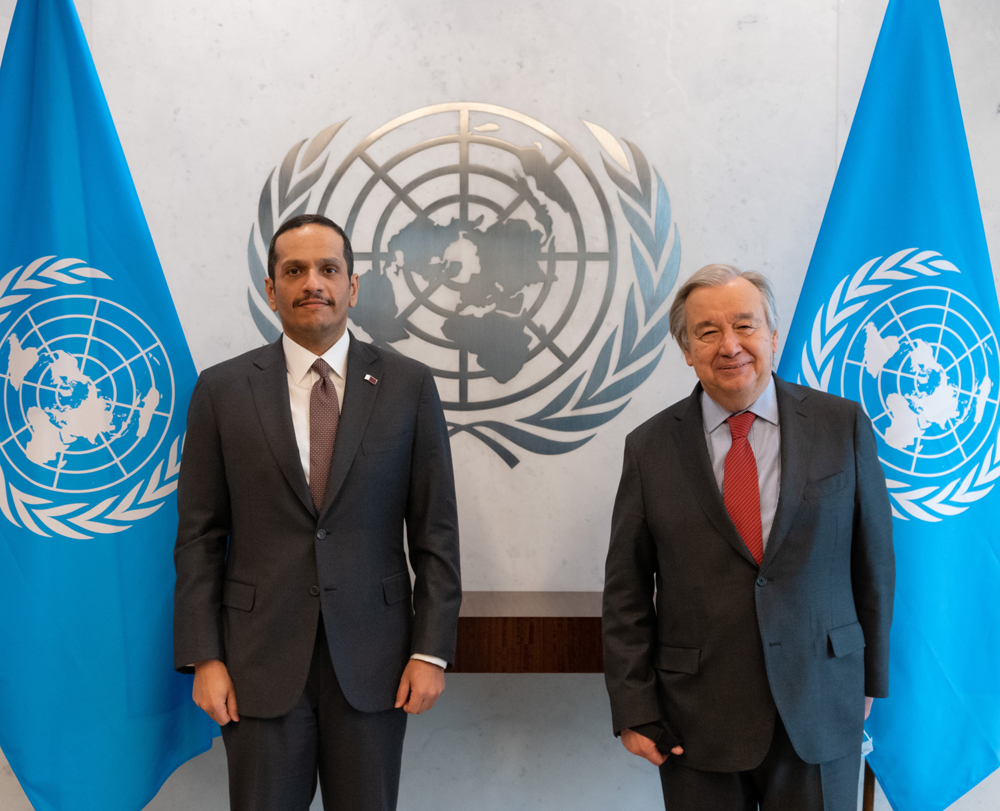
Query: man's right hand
{"points": [[644, 747], [213, 691]]}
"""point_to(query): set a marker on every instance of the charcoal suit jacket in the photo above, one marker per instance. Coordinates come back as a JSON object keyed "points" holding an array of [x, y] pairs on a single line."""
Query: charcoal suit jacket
{"points": [[257, 562], [701, 639]]}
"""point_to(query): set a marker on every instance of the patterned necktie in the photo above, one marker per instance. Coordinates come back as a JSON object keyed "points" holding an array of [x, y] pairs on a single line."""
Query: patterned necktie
{"points": [[740, 489], [324, 415]]}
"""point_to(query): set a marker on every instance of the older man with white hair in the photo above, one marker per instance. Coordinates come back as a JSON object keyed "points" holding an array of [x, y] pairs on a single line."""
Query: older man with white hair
{"points": [[749, 581]]}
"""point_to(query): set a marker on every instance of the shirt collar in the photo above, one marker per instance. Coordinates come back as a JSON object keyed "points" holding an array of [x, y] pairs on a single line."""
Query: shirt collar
{"points": [[765, 407], [299, 360]]}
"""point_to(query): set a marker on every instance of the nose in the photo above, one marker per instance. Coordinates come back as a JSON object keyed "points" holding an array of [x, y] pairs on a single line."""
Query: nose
{"points": [[314, 279], [730, 346]]}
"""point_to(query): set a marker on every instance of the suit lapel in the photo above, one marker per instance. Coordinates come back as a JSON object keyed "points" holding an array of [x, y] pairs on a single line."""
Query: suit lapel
{"points": [[794, 426], [690, 435], [269, 386], [359, 398]]}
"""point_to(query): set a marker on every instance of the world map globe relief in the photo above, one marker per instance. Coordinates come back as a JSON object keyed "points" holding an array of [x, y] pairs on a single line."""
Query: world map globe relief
{"points": [[924, 366], [88, 393], [484, 246]]}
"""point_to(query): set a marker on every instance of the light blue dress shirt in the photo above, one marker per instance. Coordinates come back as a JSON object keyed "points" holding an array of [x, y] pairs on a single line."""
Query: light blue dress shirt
{"points": [[765, 441]]}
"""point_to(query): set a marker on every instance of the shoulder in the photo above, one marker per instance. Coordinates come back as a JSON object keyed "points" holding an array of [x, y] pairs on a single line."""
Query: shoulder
{"points": [[819, 402], [826, 413], [396, 367], [660, 423], [237, 368]]}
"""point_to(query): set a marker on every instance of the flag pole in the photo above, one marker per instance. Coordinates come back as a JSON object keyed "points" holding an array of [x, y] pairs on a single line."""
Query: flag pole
{"points": [[868, 797]]}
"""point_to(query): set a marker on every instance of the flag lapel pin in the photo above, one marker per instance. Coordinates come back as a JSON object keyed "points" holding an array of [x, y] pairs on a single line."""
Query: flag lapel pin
{"points": [[370, 379]]}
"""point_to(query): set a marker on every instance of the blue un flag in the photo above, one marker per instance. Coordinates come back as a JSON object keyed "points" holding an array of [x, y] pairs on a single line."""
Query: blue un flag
{"points": [[899, 312], [95, 376]]}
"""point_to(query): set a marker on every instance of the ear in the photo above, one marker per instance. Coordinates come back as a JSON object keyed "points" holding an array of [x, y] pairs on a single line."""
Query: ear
{"points": [[354, 290], [269, 289], [774, 342], [687, 355]]}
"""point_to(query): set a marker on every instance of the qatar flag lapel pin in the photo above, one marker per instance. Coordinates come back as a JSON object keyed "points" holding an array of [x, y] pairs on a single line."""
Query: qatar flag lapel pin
{"points": [[370, 379]]}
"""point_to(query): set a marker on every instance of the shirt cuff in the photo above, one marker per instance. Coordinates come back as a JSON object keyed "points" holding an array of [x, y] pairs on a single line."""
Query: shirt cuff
{"points": [[434, 660]]}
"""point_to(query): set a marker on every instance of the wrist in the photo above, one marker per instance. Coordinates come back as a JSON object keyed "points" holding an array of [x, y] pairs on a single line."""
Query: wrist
{"points": [[431, 660]]}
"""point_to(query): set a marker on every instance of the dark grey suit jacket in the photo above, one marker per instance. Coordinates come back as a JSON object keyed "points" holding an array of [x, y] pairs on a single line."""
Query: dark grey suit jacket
{"points": [[723, 643], [255, 561]]}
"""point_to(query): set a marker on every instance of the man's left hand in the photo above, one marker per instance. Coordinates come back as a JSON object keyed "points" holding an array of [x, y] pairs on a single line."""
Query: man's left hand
{"points": [[868, 706], [420, 686]]}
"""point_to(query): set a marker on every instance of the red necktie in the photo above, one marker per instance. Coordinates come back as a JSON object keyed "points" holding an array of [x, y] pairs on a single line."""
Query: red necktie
{"points": [[740, 489], [324, 414]]}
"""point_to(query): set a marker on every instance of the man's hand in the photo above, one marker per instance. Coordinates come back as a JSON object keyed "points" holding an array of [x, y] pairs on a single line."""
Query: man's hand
{"points": [[419, 687], [213, 691], [868, 706], [644, 747]]}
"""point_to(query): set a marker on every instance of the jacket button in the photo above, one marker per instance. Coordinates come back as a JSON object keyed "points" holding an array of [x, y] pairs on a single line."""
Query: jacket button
{"points": [[314, 591], [321, 534], [761, 581]]}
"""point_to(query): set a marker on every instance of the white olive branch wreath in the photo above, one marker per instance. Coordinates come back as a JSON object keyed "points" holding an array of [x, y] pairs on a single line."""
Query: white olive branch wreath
{"points": [[36, 512], [850, 296]]}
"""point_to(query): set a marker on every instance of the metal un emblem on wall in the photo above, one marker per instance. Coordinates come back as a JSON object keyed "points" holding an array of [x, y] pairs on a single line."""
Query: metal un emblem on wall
{"points": [[923, 361], [486, 248], [88, 395]]}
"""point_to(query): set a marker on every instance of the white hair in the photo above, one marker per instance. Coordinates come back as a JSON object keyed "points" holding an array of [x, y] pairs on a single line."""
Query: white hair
{"points": [[716, 276]]}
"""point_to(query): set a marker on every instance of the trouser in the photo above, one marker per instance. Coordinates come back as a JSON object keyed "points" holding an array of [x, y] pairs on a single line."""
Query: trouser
{"points": [[782, 782], [274, 762]]}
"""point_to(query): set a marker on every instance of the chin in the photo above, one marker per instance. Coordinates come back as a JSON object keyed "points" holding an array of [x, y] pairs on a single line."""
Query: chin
{"points": [[737, 384]]}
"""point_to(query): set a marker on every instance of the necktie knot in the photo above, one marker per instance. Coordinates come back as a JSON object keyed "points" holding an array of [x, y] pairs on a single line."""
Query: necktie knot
{"points": [[739, 424], [322, 368]]}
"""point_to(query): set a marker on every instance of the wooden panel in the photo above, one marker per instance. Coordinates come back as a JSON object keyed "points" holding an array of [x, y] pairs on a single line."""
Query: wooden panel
{"points": [[529, 645], [531, 604]]}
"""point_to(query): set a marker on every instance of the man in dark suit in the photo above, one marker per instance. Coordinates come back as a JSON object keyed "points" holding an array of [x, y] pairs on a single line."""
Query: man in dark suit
{"points": [[749, 581], [303, 462]]}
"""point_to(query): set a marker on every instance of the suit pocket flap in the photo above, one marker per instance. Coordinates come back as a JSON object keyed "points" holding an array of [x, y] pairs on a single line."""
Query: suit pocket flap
{"points": [[681, 660], [396, 588], [847, 639], [825, 486], [238, 595]]}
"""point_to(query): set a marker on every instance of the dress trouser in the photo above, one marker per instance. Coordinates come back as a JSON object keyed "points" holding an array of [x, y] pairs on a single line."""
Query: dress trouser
{"points": [[274, 762], [782, 782]]}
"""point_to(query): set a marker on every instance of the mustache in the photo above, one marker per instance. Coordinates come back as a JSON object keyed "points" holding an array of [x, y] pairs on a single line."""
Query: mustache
{"points": [[312, 300]]}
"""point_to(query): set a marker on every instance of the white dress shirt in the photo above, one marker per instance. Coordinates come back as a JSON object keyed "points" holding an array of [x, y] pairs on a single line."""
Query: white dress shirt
{"points": [[765, 442], [301, 379]]}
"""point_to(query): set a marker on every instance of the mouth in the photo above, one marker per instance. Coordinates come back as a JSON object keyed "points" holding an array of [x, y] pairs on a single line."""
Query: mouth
{"points": [[313, 302], [735, 367]]}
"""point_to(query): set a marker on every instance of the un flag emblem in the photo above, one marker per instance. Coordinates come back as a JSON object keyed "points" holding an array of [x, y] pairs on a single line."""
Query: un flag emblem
{"points": [[923, 365], [88, 396], [924, 362]]}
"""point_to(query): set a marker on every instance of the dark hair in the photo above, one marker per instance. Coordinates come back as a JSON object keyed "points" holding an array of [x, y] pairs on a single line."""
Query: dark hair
{"points": [[303, 220]]}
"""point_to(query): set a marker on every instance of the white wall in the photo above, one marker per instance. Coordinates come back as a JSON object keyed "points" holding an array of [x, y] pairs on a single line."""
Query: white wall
{"points": [[742, 105]]}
